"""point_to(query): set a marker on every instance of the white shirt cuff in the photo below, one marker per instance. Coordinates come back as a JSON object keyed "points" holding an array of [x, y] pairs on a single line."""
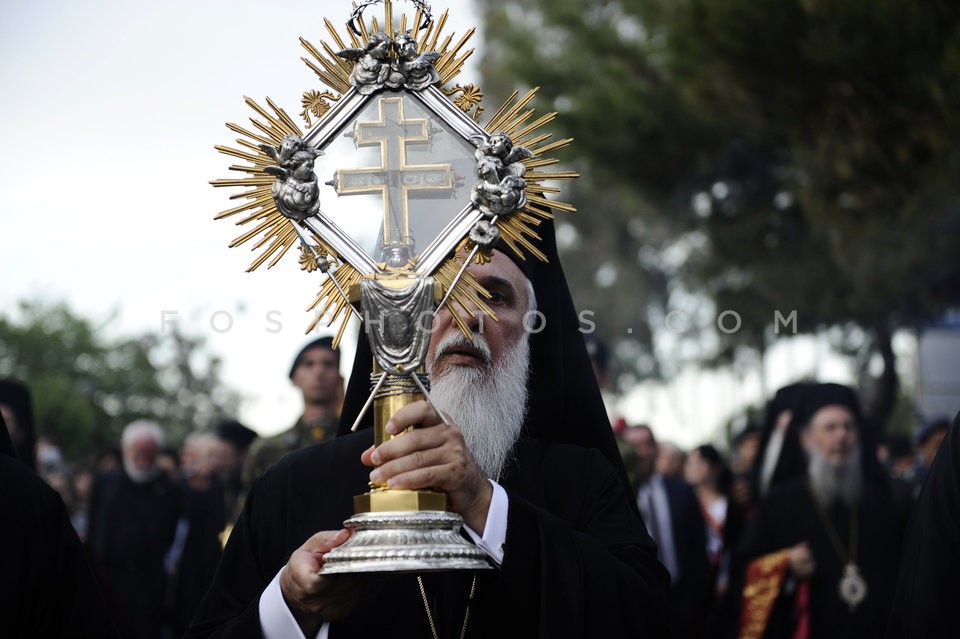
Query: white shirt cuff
{"points": [[495, 530], [276, 620]]}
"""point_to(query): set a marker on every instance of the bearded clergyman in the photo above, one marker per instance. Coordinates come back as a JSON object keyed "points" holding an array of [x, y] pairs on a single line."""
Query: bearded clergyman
{"points": [[525, 455], [819, 557]]}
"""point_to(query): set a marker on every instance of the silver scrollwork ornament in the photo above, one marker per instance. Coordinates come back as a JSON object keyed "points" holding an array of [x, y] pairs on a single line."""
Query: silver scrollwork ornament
{"points": [[484, 234]]}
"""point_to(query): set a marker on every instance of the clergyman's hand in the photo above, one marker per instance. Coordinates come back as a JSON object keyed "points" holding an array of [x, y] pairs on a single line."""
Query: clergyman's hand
{"points": [[315, 598], [432, 456], [801, 561]]}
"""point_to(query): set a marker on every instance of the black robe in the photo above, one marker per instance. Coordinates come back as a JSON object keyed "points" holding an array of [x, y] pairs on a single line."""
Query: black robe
{"points": [[131, 527], [577, 559], [786, 517], [203, 511], [928, 587], [47, 586]]}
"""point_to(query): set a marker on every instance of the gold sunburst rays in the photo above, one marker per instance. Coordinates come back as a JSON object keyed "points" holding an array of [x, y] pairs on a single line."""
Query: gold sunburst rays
{"points": [[334, 71], [330, 303], [273, 234], [275, 231], [519, 230], [467, 292]]}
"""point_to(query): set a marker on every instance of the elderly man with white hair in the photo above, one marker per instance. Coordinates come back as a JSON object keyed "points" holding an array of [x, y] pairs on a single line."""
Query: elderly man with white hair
{"points": [[820, 552], [528, 461], [133, 518]]}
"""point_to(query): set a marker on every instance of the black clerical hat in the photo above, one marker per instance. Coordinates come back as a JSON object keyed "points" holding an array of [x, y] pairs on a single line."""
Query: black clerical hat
{"points": [[16, 395], [321, 342], [791, 459], [818, 396], [564, 403], [788, 397]]}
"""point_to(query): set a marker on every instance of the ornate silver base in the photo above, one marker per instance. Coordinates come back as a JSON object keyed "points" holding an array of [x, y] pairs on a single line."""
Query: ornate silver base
{"points": [[415, 541]]}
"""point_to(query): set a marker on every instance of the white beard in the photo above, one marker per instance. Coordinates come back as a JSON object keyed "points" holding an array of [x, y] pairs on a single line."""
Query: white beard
{"points": [[140, 476], [488, 404], [836, 481]]}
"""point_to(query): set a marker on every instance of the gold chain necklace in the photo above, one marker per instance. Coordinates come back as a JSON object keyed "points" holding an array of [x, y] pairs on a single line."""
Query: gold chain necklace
{"points": [[852, 587], [473, 590], [466, 615]]}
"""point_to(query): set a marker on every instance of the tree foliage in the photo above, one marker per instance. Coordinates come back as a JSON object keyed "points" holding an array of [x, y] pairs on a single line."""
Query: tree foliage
{"points": [[86, 386], [800, 155]]}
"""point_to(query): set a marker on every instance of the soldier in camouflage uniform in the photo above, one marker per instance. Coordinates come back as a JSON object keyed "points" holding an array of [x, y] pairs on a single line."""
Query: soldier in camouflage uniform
{"points": [[316, 372]]}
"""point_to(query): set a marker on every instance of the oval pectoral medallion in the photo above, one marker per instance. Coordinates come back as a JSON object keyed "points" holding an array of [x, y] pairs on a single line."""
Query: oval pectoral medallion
{"points": [[853, 587]]}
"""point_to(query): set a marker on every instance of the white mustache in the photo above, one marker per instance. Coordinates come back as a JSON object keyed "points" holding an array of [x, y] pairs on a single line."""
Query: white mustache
{"points": [[455, 341]]}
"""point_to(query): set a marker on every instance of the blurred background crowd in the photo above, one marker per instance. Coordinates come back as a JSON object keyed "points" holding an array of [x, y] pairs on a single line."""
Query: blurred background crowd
{"points": [[153, 513]]}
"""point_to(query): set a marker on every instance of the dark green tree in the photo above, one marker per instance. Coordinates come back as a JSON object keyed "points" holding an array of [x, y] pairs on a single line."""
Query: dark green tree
{"points": [[799, 155], [87, 386]]}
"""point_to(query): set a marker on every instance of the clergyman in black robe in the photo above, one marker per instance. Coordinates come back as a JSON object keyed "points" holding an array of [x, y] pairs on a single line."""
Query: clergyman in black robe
{"points": [[928, 586], [47, 586], [841, 513], [133, 518], [576, 560]]}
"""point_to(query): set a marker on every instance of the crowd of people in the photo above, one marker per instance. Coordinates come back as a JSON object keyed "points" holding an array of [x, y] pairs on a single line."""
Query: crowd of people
{"points": [[796, 528], [151, 518], [798, 522], [807, 524]]}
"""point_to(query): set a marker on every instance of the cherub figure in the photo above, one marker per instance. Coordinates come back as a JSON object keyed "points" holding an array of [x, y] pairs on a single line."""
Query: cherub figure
{"points": [[413, 70], [373, 64], [500, 146], [496, 195], [283, 155], [497, 200], [501, 189], [489, 169], [296, 191]]}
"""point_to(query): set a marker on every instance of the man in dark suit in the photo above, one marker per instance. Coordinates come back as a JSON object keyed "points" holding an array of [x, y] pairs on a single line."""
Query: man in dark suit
{"points": [[673, 517]]}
